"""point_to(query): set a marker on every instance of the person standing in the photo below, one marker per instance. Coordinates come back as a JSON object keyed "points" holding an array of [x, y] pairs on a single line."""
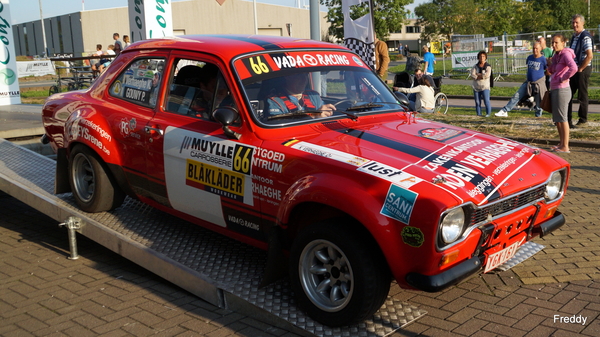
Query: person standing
{"points": [[118, 44], [547, 52], [562, 68], [481, 73], [581, 44], [429, 60], [382, 58], [126, 42], [534, 86]]}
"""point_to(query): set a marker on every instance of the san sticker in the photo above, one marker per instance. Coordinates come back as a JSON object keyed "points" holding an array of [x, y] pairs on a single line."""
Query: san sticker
{"points": [[399, 203], [412, 236]]}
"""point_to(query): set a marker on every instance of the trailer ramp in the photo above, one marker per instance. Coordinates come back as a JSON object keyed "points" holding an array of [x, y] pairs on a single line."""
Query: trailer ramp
{"points": [[221, 271]]}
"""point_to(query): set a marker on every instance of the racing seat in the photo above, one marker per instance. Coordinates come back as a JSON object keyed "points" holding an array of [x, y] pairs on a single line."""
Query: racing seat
{"points": [[185, 88]]}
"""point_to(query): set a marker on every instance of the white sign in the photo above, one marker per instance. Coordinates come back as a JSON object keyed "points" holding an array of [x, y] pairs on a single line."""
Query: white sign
{"points": [[9, 83], [35, 68], [150, 19], [461, 60]]}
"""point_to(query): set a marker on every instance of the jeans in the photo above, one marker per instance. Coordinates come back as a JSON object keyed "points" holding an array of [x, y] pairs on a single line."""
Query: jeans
{"points": [[522, 92], [485, 95]]}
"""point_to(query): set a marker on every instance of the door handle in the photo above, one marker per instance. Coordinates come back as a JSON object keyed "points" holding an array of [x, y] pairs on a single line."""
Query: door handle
{"points": [[152, 131]]}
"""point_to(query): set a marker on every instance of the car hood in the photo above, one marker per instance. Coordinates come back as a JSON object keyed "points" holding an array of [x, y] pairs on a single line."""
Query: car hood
{"points": [[415, 155]]}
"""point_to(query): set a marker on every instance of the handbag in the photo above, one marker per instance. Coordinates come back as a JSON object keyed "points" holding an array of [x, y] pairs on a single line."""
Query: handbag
{"points": [[546, 103]]}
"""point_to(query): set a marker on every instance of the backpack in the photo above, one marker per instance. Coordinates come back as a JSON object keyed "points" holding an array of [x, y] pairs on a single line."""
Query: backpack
{"points": [[492, 79]]}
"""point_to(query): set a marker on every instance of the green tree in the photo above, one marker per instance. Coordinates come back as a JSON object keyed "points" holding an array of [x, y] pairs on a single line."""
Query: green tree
{"points": [[559, 12], [388, 16]]}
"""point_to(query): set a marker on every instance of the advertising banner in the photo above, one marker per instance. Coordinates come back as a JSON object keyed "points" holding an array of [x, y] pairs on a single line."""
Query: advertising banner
{"points": [[150, 19], [464, 60], [9, 83], [35, 68]]}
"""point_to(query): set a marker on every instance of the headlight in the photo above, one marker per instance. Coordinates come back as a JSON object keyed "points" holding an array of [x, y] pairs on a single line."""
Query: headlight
{"points": [[554, 186], [453, 225]]}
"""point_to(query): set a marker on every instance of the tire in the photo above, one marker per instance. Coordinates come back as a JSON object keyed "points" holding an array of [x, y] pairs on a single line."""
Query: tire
{"points": [[329, 252], [441, 103], [93, 189], [53, 90]]}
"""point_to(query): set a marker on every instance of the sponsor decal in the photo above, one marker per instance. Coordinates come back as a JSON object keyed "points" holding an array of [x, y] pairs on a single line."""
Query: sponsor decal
{"points": [[357, 60], [326, 152], [399, 204], [390, 174], [127, 128], [215, 180], [80, 129], [263, 64], [440, 134], [244, 223], [412, 236]]}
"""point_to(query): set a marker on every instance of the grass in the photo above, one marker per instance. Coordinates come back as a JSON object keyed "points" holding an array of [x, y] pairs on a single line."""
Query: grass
{"points": [[519, 124]]}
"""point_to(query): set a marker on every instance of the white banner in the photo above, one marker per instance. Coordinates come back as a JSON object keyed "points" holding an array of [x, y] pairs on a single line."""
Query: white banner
{"points": [[9, 83], [358, 34], [462, 60], [35, 68], [150, 19]]}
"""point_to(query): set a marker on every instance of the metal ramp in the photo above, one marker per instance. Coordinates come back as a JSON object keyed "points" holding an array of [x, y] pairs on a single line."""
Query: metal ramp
{"points": [[221, 271]]}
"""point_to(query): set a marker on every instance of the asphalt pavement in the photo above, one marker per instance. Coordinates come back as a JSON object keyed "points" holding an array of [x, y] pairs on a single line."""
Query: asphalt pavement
{"points": [[43, 293]]}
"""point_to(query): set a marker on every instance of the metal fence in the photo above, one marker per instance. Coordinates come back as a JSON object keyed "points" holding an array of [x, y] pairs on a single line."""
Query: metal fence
{"points": [[507, 54]]}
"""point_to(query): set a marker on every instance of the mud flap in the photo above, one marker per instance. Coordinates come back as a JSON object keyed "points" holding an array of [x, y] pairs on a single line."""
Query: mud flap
{"points": [[277, 261]]}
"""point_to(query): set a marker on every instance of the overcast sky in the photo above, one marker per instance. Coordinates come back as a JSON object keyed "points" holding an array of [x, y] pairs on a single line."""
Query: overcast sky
{"points": [[29, 10]]}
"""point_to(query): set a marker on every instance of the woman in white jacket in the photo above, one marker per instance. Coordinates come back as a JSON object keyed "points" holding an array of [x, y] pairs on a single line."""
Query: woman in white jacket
{"points": [[425, 96]]}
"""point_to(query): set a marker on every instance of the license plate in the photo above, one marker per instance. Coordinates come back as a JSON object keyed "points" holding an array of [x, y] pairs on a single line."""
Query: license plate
{"points": [[498, 258]]}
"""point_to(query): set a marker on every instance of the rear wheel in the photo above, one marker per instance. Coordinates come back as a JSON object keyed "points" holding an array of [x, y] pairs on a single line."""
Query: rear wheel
{"points": [[441, 103], [337, 278], [92, 187]]}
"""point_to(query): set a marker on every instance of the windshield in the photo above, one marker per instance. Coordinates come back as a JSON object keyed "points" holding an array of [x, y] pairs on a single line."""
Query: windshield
{"points": [[297, 87]]}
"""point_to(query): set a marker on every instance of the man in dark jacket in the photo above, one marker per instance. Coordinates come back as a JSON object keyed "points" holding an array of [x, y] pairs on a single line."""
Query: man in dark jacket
{"points": [[581, 43]]}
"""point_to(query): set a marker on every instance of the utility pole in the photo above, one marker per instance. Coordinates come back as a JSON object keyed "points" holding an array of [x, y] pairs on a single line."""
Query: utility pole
{"points": [[43, 30]]}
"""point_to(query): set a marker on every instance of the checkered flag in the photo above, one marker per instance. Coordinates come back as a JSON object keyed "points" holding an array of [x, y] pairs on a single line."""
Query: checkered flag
{"points": [[366, 51]]}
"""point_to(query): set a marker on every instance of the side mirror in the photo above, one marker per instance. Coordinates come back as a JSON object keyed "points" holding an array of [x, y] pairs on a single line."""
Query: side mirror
{"points": [[226, 116], [402, 98]]}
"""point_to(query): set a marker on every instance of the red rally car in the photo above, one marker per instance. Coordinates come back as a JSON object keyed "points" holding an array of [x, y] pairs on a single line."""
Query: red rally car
{"points": [[297, 147]]}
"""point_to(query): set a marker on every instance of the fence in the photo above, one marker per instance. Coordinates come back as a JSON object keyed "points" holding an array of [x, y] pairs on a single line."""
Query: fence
{"points": [[506, 54]]}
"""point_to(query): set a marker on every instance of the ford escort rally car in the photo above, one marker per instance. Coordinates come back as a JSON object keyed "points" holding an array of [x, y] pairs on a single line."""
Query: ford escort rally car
{"points": [[328, 171]]}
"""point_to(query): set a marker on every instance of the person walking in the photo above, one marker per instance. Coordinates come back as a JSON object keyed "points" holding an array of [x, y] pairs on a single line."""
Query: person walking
{"points": [[481, 73], [429, 60], [562, 67], [534, 86], [581, 44]]}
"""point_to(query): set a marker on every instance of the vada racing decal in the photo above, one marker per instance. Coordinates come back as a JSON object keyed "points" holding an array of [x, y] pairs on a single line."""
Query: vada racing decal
{"points": [[201, 169], [263, 64]]}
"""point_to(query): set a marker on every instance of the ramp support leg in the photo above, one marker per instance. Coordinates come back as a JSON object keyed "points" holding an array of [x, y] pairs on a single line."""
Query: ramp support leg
{"points": [[73, 224]]}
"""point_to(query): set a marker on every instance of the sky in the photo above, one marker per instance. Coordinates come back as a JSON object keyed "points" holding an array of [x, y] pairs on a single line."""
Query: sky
{"points": [[29, 10]]}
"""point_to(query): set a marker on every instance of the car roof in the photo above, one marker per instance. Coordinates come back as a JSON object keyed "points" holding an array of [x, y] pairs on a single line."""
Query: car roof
{"points": [[230, 46]]}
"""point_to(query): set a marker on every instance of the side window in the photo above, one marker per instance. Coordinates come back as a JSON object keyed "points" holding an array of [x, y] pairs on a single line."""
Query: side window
{"points": [[140, 81], [198, 89]]}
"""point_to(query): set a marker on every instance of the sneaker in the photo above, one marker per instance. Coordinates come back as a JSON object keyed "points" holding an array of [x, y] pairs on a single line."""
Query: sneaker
{"points": [[581, 123], [531, 99], [572, 126], [501, 113]]}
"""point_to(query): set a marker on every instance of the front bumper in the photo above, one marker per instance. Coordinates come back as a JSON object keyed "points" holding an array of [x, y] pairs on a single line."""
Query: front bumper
{"points": [[454, 275]]}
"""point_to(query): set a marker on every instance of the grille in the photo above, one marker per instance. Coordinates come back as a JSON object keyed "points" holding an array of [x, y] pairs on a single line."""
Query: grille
{"points": [[507, 205]]}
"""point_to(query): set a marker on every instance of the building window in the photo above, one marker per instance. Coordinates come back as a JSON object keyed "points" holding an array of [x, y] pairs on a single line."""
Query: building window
{"points": [[413, 29]]}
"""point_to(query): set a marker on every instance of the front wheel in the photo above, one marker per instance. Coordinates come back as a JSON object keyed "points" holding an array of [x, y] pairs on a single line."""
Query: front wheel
{"points": [[337, 278], [53, 90], [93, 189]]}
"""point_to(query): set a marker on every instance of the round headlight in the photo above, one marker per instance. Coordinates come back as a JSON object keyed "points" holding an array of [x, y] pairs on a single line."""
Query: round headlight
{"points": [[553, 186], [453, 225]]}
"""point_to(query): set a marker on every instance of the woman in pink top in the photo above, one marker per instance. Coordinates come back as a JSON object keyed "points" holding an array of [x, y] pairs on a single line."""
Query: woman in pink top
{"points": [[562, 67]]}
